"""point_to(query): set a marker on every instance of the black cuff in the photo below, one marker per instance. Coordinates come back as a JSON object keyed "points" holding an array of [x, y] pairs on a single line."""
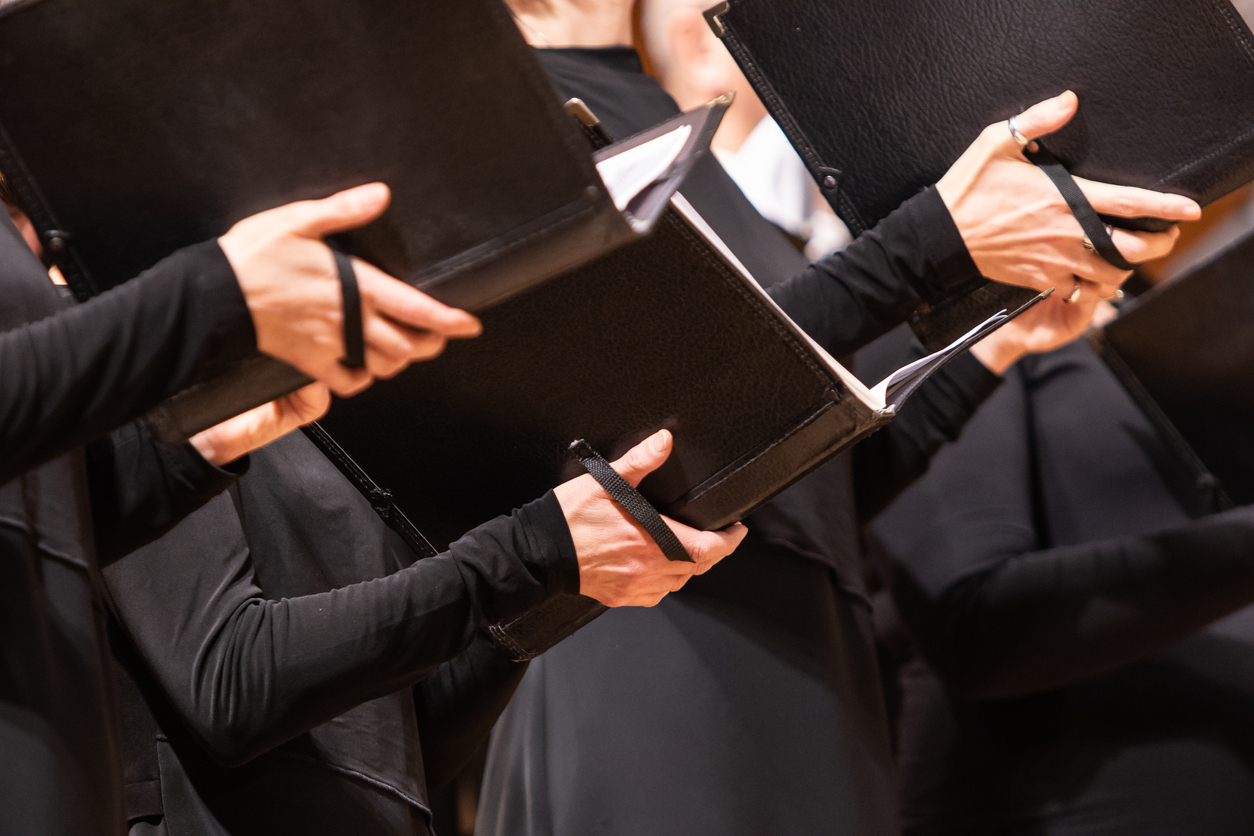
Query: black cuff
{"points": [[551, 551], [219, 302], [948, 263], [973, 380]]}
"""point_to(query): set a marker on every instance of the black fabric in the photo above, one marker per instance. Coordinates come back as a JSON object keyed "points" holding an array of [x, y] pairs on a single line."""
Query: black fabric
{"points": [[73, 377], [631, 501], [350, 294], [284, 624], [1095, 641], [748, 702], [1084, 212], [68, 378], [380, 498]]}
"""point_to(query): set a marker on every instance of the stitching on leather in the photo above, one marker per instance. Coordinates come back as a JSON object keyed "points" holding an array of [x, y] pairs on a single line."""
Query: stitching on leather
{"points": [[775, 105], [1224, 9], [707, 486], [577, 209], [1196, 161], [703, 250]]}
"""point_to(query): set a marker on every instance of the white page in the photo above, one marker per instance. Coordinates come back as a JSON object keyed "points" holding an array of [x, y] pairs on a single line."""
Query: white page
{"points": [[921, 366], [628, 173]]}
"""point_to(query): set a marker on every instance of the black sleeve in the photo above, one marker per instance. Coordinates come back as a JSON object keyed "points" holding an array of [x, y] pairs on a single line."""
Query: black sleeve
{"points": [[84, 371], [458, 706], [892, 459], [998, 615], [246, 673], [851, 297], [141, 487]]}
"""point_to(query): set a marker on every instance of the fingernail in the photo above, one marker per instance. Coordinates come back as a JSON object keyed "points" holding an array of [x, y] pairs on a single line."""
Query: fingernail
{"points": [[658, 442], [369, 195]]}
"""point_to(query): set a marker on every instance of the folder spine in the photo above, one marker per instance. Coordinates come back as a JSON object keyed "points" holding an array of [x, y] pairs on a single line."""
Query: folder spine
{"points": [[829, 178]]}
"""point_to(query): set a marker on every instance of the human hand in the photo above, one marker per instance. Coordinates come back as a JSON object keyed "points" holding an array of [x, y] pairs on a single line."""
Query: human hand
{"points": [[292, 288], [1019, 229], [238, 436], [1050, 324], [619, 564]]}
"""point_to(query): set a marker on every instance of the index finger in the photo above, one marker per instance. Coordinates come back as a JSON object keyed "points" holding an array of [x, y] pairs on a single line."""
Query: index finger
{"points": [[1131, 202], [411, 307]]}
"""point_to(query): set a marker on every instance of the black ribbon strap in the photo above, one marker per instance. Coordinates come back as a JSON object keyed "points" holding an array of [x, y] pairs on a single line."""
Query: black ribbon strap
{"points": [[1080, 207], [354, 339], [631, 500]]}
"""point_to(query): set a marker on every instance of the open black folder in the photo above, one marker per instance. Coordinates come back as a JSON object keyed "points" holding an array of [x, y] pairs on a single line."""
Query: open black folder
{"points": [[670, 332], [880, 97], [1185, 352], [129, 129]]}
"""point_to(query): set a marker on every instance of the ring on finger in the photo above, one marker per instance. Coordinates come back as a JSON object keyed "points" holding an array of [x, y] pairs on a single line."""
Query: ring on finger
{"points": [[1013, 125], [1074, 296]]}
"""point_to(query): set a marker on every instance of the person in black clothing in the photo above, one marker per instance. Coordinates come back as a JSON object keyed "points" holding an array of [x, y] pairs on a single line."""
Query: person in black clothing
{"points": [[288, 669], [1086, 640], [750, 702], [70, 376]]}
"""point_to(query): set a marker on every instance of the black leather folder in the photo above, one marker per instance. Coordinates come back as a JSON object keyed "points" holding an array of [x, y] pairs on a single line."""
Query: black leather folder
{"points": [[129, 129], [1185, 352], [669, 332], [880, 97]]}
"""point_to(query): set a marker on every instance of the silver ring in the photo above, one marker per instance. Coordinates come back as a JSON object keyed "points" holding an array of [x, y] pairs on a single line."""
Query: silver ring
{"points": [[1013, 124], [1088, 245], [1075, 292]]}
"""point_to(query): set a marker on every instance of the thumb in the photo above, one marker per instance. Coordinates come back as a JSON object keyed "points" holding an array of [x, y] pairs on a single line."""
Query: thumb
{"points": [[1045, 118], [644, 458], [341, 211]]}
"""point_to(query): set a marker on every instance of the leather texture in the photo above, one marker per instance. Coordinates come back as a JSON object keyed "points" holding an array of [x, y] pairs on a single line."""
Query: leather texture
{"points": [[660, 334], [136, 129], [1185, 352], [943, 322], [881, 96]]}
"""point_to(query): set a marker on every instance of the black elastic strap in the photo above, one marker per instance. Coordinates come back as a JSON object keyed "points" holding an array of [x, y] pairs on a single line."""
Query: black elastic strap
{"points": [[354, 340], [1080, 207], [631, 500]]}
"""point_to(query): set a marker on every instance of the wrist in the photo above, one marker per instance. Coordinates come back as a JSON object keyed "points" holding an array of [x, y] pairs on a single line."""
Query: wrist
{"points": [[998, 354]]}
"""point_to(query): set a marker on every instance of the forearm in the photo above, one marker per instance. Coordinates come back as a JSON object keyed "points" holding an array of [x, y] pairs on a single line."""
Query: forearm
{"points": [[83, 372], [1044, 619], [891, 460], [458, 705], [247, 673], [846, 300]]}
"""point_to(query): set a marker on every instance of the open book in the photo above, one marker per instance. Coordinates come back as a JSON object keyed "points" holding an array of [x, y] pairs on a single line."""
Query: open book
{"points": [[886, 396], [671, 332]]}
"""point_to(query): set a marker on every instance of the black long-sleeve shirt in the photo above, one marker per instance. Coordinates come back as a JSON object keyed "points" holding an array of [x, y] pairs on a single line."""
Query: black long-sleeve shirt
{"points": [[286, 620], [71, 375], [749, 701], [1049, 570], [68, 378]]}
